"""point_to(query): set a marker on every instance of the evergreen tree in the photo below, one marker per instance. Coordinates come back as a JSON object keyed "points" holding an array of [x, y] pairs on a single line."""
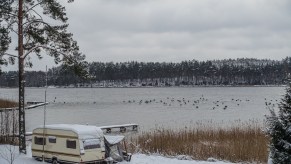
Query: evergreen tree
{"points": [[41, 28], [36, 32], [5, 40], [279, 129]]}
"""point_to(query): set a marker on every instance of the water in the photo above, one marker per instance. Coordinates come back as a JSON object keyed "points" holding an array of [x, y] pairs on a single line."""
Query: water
{"points": [[107, 106]]}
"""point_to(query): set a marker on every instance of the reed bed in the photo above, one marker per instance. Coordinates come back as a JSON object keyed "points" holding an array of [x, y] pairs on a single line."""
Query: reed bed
{"points": [[7, 104], [243, 142]]}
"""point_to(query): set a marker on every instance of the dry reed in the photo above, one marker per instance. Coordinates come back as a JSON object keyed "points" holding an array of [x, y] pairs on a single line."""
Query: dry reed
{"points": [[7, 104], [243, 142]]}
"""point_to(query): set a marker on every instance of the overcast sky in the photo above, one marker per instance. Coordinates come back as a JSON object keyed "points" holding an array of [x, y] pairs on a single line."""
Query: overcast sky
{"points": [[177, 30]]}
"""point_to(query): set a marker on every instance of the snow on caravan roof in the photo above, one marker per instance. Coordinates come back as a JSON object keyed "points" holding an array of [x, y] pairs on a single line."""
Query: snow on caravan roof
{"points": [[83, 131]]}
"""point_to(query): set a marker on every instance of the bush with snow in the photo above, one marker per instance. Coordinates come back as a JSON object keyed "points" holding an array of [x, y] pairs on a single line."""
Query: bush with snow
{"points": [[279, 130]]}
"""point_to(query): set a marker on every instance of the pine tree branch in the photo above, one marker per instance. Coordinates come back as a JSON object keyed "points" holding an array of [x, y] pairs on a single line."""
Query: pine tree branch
{"points": [[35, 21], [15, 56], [37, 14], [7, 12], [11, 28], [46, 47], [31, 8], [11, 14]]}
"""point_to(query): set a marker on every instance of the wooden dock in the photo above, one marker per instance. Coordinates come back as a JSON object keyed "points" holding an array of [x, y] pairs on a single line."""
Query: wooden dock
{"points": [[120, 128], [30, 105]]}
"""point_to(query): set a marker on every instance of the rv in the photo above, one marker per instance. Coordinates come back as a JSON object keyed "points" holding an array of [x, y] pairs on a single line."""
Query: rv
{"points": [[69, 143]]}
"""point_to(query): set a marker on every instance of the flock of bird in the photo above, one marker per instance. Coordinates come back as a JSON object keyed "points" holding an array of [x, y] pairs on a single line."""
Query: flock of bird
{"points": [[271, 103], [196, 103]]}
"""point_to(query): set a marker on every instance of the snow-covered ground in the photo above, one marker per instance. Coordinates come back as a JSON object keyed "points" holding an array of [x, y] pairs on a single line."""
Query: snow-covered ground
{"points": [[7, 151], [155, 159]]}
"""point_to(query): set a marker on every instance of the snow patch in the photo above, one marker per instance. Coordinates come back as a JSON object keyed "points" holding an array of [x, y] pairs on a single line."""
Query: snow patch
{"points": [[112, 140], [184, 157]]}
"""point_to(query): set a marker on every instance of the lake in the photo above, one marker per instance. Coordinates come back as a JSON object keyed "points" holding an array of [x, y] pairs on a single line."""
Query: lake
{"points": [[148, 107]]}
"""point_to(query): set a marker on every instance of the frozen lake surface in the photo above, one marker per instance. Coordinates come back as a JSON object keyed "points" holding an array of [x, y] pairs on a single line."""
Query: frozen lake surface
{"points": [[148, 107]]}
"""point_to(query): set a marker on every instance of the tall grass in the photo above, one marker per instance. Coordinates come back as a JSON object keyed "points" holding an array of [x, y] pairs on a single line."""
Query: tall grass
{"points": [[243, 142], [7, 104]]}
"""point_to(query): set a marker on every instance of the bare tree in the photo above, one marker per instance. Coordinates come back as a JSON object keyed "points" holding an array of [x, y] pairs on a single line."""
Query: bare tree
{"points": [[8, 126], [9, 153]]}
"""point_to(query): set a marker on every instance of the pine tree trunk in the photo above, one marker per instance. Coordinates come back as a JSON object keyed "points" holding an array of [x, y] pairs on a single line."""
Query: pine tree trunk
{"points": [[22, 144]]}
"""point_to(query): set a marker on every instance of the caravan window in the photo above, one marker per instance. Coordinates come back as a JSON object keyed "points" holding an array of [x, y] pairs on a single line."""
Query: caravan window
{"points": [[39, 141], [52, 139], [91, 144], [71, 144]]}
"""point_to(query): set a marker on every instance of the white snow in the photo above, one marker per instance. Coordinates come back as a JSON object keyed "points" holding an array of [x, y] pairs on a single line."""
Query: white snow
{"points": [[117, 126], [83, 131], [136, 158], [156, 159], [20, 158], [112, 140], [91, 143], [52, 137], [37, 105]]}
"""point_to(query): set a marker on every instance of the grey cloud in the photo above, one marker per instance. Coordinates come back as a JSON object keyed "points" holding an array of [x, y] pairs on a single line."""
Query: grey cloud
{"points": [[176, 30], [186, 15]]}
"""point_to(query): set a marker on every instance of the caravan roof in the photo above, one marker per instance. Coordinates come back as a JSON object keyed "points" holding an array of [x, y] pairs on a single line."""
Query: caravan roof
{"points": [[83, 131]]}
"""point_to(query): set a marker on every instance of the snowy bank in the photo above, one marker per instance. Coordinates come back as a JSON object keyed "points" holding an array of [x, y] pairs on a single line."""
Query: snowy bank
{"points": [[7, 150]]}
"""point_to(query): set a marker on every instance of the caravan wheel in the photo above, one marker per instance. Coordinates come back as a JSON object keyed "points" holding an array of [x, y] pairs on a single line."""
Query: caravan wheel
{"points": [[54, 161]]}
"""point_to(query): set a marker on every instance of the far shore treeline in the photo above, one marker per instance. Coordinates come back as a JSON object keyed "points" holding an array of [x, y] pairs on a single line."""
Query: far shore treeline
{"points": [[242, 71]]}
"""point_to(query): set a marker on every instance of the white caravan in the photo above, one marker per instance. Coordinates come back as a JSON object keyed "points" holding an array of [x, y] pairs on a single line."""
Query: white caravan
{"points": [[68, 143]]}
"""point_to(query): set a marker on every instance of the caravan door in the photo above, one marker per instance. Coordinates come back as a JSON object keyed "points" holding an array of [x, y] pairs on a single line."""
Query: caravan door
{"points": [[93, 150]]}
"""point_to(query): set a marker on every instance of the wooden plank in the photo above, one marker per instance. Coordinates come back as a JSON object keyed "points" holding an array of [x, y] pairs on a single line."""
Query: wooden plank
{"points": [[27, 107], [122, 128], [118, 126]]}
